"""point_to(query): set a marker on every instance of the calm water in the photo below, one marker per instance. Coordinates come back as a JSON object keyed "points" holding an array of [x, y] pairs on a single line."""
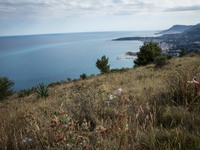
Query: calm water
{"points": [[30, 60]]}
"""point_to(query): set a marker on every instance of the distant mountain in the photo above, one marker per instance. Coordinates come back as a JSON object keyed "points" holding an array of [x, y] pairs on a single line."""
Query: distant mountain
{"points": [[175, 29], [190, 35]]}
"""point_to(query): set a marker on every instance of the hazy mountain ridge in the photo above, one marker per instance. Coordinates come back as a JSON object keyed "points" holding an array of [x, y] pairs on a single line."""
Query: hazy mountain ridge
{"points": [[192, 34], [189, 39], [175, 29]]}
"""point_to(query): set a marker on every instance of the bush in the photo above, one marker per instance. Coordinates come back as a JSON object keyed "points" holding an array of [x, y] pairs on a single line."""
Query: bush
{"points": [[148, 52], [69, 79], [23, 93], [5, 87], [160, 61], [182, 53], [83, 76], [102, 64], [120, 70], [42, 90]]}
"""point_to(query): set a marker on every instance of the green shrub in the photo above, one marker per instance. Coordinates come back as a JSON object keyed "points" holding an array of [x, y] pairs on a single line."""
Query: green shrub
{"points": [[69, 79], [5, 87], [42, 90], [148, 52], [160, 61], [83, 76], [102, 64]]}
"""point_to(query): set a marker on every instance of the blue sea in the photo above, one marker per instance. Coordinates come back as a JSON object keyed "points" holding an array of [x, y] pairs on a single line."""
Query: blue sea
{"points": [[32, 59]]}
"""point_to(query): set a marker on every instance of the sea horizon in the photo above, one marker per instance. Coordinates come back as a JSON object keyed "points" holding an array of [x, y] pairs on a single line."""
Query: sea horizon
{"points": [[61, 33]]}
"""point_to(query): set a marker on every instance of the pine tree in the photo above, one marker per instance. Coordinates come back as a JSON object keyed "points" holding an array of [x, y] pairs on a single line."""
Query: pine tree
{"points": [[148, 52], [102, 64]]}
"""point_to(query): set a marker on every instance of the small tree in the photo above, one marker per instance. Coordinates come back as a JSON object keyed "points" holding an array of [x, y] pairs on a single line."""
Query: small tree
{"points": [[83, 76], [69, 79], [102, 64], [5, 87], [148, 52]]}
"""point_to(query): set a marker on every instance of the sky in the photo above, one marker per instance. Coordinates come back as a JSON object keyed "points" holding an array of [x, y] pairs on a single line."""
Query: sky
{"points": [[24, 17]]}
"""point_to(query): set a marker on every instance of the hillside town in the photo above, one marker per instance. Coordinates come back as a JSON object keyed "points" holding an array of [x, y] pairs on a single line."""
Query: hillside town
{"points": [[181, 38]]}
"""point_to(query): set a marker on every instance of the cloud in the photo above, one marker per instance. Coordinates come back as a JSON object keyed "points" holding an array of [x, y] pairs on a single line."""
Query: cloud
{"points": [[21, 9], [89, 8], [48, 16], [75, 8], [190, 8]]}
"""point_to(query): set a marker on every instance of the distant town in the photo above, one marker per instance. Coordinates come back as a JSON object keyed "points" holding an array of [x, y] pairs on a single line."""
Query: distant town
{"points": [[175, 39]]}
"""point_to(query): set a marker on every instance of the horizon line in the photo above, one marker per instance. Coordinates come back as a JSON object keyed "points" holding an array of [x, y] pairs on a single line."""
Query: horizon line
{"points": [[60, 33]]}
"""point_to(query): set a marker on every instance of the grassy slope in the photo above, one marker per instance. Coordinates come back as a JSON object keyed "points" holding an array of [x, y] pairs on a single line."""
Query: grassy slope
{"points": [[157, 109]]}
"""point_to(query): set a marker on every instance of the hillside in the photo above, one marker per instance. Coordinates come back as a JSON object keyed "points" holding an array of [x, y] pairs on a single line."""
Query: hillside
{"points": [[175, 29], [193, 34], [188, 40], [143, 108]]}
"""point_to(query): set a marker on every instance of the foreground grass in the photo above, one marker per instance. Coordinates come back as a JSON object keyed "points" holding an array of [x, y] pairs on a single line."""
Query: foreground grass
{"points": [[156, 109]]}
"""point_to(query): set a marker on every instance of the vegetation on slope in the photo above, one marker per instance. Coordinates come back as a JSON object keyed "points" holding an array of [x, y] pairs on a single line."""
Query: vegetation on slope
{"points": [[5, 87], [147, 54], [103, 65], [142, 108]]}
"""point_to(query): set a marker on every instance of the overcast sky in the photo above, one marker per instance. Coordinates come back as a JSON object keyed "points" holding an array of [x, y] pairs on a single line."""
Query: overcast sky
{"points": [[19, 17]]}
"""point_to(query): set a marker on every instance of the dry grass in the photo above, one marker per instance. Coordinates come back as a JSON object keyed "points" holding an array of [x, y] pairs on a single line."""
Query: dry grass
{"points": [[156, 109]]}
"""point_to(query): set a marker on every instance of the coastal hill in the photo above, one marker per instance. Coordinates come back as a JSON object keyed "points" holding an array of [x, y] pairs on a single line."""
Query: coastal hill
{"points": [[188, 40], [142, 108], [192, 34], [176, 29]]}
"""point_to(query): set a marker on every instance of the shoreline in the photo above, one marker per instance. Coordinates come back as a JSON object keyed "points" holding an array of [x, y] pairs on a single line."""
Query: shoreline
{"points": [[127, 55]]}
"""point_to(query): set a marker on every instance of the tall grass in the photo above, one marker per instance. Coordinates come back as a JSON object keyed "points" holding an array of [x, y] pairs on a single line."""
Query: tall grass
{"points": [[154, 109]]}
